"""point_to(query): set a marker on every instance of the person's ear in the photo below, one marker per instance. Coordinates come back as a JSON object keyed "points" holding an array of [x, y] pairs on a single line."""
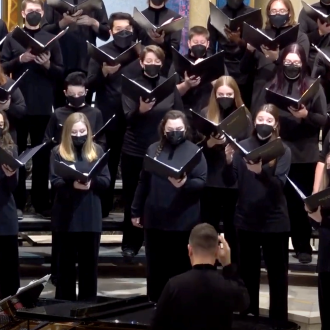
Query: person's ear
{"points": [[189, 44], [23, 14], [141, 63], [207, 44], [42, 13], [64, 91], [190, 251], [86, 91], [110, 32]]}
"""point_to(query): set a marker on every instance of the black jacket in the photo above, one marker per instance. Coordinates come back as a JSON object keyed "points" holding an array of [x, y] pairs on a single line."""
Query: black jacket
{"points": [[261, 205], [201, 299], [142, 128], [160, 204], [3, 31], [263, 69], [8, 213], [323, 262], [39, 83], [73, 44], [78, 210]]}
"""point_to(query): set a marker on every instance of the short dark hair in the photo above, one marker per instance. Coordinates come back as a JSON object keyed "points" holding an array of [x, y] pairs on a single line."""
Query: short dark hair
{"points": [[75, 79], [204, 238], [200, 31], [120, 16]]}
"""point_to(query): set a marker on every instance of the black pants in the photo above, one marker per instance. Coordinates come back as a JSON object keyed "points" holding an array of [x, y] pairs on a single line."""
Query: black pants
{"points": [[34, 126], [324, 299], [218, 204], [9, 274], [303, 176], [275, 253], [167, 256], [130, 171], [82, 248]]}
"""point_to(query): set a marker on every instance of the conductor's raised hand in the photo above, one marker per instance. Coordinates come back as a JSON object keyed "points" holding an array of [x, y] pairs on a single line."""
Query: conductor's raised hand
{"points": [[229, 151], [223, 252], [27, 57], [81, 186], [191, 81], [146, 106], [109, 70], [136, 222], [178, 183], [7, 170]]}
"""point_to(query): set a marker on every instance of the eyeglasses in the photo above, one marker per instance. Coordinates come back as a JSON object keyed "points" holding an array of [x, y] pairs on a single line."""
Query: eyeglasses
{"points": [[296, 63], [281, 11]]}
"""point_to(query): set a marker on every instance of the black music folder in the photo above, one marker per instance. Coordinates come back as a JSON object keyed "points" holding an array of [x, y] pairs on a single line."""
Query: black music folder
{"points": [[21, 160], [315, 13], [126, 57], [325, 53], [102, 130], [26, 41], [220, 20], [283, 101], [233, 125], [211, 68], [3, 40], [170, 26], [69, 173], [163, 170], [5, 93], [321, 198], [256, 38], [87, 6], [264, 153], [134, 90]]}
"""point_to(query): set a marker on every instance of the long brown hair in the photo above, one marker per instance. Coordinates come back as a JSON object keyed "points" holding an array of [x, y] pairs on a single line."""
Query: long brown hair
{"points": [[3, 77], [170, 115], [213, 111], [288, 5], [6, 142], [325, 178], [66, 148]]}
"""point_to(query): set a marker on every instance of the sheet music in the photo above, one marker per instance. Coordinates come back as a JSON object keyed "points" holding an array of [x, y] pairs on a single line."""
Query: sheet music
{"points": [[44, 280]]}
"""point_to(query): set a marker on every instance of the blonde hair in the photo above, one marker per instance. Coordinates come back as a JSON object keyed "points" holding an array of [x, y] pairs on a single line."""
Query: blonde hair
{"points": [[324, 179], [37, 2], [213, 111], [66, 148], [288, 5]]}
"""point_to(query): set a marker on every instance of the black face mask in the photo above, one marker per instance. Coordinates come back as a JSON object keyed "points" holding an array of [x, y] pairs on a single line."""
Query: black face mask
{"points": [[79, 141], [157, 2], [278, 20], [123, 39], [234, 4], [291, 71], [198, 50], [1, 131], [264, 131], [152, 70], [226, 103], [175, 137], [33, 18], [76, 102]]}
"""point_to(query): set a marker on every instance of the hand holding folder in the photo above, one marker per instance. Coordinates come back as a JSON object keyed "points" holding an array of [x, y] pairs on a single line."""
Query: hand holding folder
{"points": [[86, 7]]}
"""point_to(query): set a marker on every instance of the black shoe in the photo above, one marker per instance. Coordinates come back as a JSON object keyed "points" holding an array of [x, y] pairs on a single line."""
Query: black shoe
{"points": [[128, 255], [305, 258], [46, 214], [19, 214]]}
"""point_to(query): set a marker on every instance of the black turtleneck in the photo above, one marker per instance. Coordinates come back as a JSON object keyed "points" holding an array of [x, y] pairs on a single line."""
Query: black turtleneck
{"points": [[108, 89], [78, 210], [37, 87], [142, 128], [261, 205], [163, 206], [59, 116]]}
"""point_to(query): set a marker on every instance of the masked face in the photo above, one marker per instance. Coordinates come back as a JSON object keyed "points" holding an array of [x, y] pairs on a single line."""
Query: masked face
{"points": [[33, 18], [198, 50], [157, 2], [76, 102], [79, 141], [152, 70], [175, 137], [234, 4], [279, 20], [123, 39], [291, 71], [264, 131], [226, 103]]}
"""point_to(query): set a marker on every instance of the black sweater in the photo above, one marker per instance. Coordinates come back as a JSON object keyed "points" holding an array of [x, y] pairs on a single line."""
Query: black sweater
{"points": [[264, 70], [160, 204], [78, 210], [17, 108], [8, 213], [142, 128], [73, 44], [261, 205], [38, 86], [233, 52], [201, 299], [324, 242], [3, 31], [59, 116]]}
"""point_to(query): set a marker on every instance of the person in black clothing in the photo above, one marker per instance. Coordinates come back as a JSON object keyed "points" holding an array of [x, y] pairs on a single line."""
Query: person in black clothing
{"points": [[105, 80], [202, 298], [300, 130], [45, 71], [233, 47], [76, 214], [193, 95], [261, 216], [9, 276], [83, 26], [142, 121], [316, 31], [3, 33], [157, 13], [224, 100], [322, 218], [264, 65], [168, 208]]}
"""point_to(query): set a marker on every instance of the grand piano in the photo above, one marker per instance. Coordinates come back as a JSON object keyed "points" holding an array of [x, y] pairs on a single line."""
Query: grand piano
{"points": [[26, 311]]}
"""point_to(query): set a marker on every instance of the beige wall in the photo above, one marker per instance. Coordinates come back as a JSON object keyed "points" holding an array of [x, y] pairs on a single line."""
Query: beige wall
{"points": [[199, 12]]}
